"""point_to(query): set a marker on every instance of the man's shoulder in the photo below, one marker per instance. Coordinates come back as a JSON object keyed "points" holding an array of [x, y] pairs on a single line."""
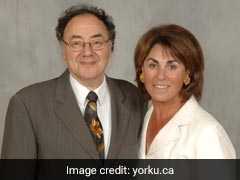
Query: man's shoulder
{"points": [[123, 84], [39, 89], [127, 89]]}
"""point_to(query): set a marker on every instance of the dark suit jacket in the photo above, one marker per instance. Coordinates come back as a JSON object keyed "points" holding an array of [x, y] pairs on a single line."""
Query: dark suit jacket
{"points": [[43, 121]]}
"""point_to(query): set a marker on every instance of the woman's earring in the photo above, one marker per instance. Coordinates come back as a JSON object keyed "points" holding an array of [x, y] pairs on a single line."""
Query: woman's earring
{"points": [[141, 77], [186, 81]]}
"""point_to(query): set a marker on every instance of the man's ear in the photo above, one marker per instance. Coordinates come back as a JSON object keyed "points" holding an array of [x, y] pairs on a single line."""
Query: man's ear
{"points": [[111, 45], [62, 49]]}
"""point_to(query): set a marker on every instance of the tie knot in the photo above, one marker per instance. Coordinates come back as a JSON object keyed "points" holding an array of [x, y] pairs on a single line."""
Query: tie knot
{"points": [[92, 96]]}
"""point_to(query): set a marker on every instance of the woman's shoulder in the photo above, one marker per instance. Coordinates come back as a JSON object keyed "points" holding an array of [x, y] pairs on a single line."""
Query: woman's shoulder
{"points": [[200, 116]]}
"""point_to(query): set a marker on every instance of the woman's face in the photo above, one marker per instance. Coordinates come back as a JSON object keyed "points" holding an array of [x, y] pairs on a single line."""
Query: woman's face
{"points": [[163, 76]]}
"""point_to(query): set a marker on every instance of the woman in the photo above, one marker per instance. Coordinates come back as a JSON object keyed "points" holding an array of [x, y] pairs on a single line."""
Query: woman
{"points": [[169, 70]]}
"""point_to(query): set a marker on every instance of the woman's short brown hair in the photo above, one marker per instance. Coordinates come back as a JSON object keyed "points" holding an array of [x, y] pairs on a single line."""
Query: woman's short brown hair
{"points": [[180, 44]]}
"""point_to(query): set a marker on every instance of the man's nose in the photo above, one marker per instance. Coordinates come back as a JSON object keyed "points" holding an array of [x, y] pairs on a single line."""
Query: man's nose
{"points": [[87, 49]]}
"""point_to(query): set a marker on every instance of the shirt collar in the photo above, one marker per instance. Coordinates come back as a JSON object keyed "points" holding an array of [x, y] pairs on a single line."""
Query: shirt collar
{"points": [[82, 91], [101, 91]]}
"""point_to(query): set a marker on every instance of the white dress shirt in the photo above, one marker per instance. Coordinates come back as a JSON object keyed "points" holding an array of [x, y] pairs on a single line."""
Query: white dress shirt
{"points": [[192, 133], [103, 105]]}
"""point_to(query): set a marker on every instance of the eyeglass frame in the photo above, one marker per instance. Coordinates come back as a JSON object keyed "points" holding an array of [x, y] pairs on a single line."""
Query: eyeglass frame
{"points": [[84, 45]]}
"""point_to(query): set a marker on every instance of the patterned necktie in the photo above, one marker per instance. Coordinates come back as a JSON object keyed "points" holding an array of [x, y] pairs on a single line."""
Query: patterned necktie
{"points": [[94, 123]]}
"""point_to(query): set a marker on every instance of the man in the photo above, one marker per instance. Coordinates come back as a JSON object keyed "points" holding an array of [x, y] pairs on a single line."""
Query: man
{"points": [[82, 114]]}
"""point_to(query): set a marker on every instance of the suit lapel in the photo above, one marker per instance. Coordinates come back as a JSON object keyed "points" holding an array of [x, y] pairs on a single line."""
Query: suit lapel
{"points": [[67, 110], [119, 115]]}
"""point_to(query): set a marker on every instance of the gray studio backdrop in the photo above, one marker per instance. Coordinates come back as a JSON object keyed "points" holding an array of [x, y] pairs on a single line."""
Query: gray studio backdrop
{"points": [[30, 53]]}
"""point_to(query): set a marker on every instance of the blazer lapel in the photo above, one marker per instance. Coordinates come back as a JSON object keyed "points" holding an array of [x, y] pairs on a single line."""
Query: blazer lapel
{"points": [[166, 142], [119, 115], [67, 110]]}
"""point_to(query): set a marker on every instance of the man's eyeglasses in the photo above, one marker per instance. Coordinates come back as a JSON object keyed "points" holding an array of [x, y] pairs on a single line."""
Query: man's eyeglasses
{"points": [[79, 45]]}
